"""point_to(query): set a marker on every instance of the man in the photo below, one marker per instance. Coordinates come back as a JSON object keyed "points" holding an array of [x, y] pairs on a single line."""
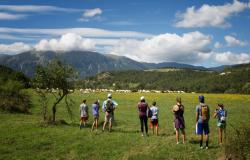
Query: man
{"points": [[202, 121], [108, 107]]}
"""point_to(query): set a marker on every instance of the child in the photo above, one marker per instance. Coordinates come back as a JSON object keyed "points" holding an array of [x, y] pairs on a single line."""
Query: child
{"points": [[154, 119], [95, 111], [220, 113], [83, 113]]}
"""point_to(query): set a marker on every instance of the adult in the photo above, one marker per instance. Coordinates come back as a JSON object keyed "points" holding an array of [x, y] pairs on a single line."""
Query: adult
{"points": [[154, 124], [83, 114], [143, 109], [220, 113], [108, 107], [202, 121], [95, 112], [179, 121]]}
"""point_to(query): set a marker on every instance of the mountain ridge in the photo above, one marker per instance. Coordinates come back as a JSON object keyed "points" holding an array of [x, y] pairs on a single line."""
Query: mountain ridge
{"points": [[87, 63]]}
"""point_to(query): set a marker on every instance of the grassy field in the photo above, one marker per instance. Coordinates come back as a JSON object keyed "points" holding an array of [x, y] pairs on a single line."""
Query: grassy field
{"points": [[23, 137]]}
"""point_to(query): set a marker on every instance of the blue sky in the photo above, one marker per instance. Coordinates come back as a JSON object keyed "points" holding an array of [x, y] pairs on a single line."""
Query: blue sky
{"points": [[208, 33]]}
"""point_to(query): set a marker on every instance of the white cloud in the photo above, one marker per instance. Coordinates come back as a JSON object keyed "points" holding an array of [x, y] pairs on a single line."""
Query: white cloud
{"points": [[189, 48], [232, 41], [92, 12], [9, 16], [209, 15], [217, 45], [67, 42], [37, 8], [86, 32], [12, 37], [89, 14], [14, 48], [228, 58]]}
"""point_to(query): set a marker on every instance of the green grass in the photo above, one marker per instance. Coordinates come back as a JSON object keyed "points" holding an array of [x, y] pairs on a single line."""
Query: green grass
{"points": [[23, 137]]}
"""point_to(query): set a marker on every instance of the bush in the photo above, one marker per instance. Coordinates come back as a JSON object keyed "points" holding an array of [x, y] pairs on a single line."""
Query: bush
{"points": [[238, 146], [12, 99]]}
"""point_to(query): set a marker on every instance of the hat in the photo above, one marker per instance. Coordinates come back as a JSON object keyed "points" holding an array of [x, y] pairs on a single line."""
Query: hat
{"points": [[142, 98], [109, 95], [201, 99]]}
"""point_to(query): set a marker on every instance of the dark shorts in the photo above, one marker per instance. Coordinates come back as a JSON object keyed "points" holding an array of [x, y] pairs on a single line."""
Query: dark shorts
{"points": [[96, 116], [179, 123], [84, 118], [202, 128], [154, 122]]}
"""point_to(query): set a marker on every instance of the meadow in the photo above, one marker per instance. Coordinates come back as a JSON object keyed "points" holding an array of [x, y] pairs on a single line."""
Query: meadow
{"points": [[24, 136]]}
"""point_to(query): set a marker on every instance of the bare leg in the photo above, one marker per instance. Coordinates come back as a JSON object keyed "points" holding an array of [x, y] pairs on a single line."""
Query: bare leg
{"points": [[177, 135], [157, 131], [183, 136], [220, 136], [96, 123], [104, 125], [81, 122], [93, 126], [110, 125]]}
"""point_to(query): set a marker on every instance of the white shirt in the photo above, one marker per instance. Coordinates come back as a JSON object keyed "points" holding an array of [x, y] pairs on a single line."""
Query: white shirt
{"points": [[155, 112], [83, 110]]}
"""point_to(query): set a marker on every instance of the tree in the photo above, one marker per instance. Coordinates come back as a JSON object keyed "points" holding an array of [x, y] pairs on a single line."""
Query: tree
{"points": [[56, 78]]}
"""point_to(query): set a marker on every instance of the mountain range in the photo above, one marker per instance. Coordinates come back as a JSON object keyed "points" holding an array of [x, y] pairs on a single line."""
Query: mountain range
{"points": [[85, 62]]}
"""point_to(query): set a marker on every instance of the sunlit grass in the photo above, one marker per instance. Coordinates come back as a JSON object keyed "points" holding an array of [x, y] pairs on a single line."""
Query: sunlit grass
{"points": [[23, 137]]}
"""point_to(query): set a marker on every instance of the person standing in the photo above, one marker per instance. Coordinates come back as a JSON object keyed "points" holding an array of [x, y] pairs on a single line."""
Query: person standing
{"points": [[83, 113], [95, 111], [154, 124], [108, 107], [202, 121], [179, 121], [143, 109], [220, 113]]}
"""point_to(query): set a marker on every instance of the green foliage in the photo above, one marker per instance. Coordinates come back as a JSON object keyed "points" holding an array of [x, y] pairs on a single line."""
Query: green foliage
{"points": [[55, 78], [12, 99], [233, 81]]}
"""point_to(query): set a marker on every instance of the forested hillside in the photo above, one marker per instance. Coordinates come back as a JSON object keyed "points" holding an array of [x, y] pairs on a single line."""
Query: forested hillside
{"points": [[234, 79]]}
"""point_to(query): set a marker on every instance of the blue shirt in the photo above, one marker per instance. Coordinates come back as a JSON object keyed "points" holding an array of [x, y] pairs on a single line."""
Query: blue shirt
{"points": [[95, 109]]}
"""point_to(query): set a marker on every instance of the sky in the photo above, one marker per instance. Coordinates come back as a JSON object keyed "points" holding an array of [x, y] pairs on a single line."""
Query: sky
{"points": [[205, 32]]}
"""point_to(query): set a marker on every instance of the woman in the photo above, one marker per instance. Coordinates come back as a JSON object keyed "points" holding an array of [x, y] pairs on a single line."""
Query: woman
{"points": [[142, 109], [220, 113], [95, 111], [179, 122]]}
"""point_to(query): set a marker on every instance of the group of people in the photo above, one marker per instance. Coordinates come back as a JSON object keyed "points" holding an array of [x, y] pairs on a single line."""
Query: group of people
{"points": [[108, 107], [145, 112]]}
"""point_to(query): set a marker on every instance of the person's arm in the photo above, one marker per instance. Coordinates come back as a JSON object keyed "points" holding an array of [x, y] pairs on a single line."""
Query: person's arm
{"points": [[215, 113], [208, 113], [104, 106], [197, 114]]}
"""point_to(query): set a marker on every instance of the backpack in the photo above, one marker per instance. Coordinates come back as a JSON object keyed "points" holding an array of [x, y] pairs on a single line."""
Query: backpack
{"points": [[204, 112], [109, 106], [150, 113], [222, 116]]}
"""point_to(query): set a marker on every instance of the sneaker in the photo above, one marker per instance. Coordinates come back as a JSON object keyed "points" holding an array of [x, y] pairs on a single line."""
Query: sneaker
{"points": [[142, 134], [206, 147], [177, 142], [201, 147]]}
